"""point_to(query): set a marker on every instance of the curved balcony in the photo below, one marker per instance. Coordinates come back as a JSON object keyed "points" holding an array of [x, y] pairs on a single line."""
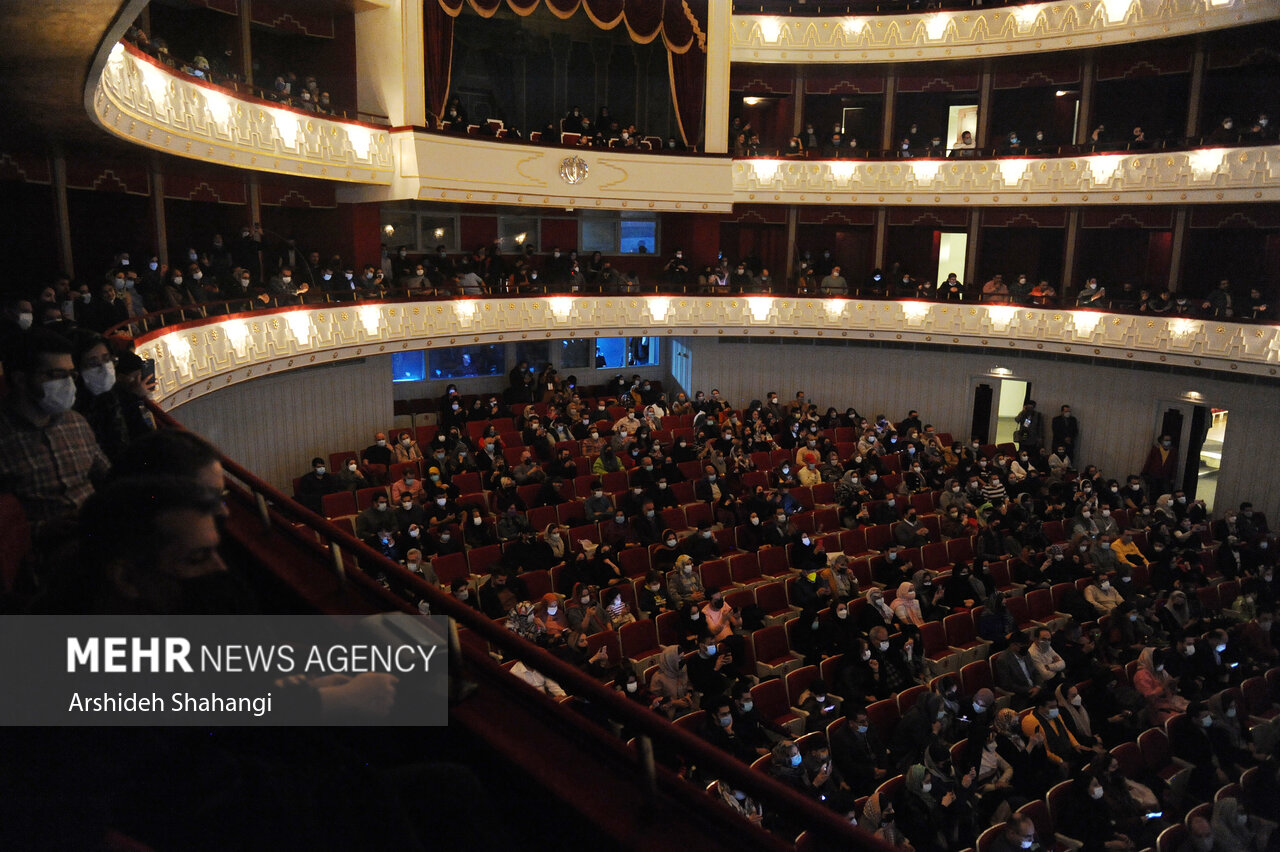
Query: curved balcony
{"points": [[149, 104], [983, 32], [1205, 175], [199, 357]]}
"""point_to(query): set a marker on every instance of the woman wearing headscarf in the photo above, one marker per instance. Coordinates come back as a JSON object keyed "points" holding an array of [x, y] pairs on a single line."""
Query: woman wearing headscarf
{"points": [[995, 622], [692, 626], [1156, 687], [1033, 772], [993, 778], [1075, 715], [671, 684], [1089, 818], [1234, 831], [583, 611], [905, 606], [917, 730], [925, 819], [1239, 740], [880, 818], [1176, 616], [877, 613], [963, 589]]}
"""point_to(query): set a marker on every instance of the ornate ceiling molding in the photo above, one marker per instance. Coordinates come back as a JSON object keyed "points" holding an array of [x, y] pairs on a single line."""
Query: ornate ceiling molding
{"points": [[151, 105], [969, 33], [1208, 175], [198, 358]]}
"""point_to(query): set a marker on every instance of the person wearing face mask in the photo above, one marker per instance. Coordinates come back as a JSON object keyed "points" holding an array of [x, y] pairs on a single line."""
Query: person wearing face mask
{"points": [[1157, 687], [312, 487], [685, 584], [1204, 744], [1161, 466], [719, 728], [1234, 830], [919, 727], [1061, 746], [1255, 639], [1102, 594], [377, 458], [100, 407], [1088, 817], [927, 817], [38, 416], [859, 753], [906, 607]]}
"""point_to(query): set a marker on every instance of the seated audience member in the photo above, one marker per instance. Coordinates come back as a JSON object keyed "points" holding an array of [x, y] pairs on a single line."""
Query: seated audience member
{"points": [[1157, 687], [49, 456], [316, 484]]}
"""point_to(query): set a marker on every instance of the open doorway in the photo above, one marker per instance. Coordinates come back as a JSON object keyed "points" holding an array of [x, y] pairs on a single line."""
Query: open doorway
{"points": [[1012, 394], [960, 118], [951, 255], [1211, 456], [997, 400]]}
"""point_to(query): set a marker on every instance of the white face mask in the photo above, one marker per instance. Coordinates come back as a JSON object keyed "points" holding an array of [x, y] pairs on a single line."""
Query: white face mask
{"points": [[552, 610], [100, 379], [1095, 792], [24, 320], [883, 646], [632, 687], [59, 396]]}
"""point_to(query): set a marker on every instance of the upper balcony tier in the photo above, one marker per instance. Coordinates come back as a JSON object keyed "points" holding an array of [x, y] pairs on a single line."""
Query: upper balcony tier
{"points": [[159, 107], [145, 102], [983, 31]]}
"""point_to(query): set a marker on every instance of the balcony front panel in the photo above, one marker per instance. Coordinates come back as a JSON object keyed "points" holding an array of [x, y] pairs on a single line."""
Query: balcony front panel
{"points": [[983, 32], [201, 357], [1203, 176], [441, 167], [149, 104]]}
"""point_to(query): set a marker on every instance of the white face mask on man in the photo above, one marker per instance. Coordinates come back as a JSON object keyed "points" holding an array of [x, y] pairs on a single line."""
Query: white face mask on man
{"points": [[58, 397]]}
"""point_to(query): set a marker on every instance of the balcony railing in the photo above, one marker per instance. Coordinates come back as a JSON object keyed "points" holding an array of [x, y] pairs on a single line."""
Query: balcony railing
{"points": [[150, 104]]}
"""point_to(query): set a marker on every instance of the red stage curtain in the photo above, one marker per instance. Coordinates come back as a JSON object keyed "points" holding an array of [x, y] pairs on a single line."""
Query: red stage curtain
{"points": [[437, 35], [679, 22], [688, 91]]}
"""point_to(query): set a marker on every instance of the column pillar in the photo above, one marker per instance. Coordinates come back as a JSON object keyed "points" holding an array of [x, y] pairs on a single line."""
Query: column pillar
{"points": [[601, 52], [971, 247], [1084, 114], [716, 110], [1181, 221], [161, 228], [880, 246], [63, 216], [246, 41], [797, 101], [392, 79], [1196, 94], [793, 220], [561, 45], [1070, 257], [985, 87], [890, 96]]}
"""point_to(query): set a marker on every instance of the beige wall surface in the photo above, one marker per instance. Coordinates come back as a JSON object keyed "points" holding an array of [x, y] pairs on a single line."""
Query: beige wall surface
{"points": [[1118, 408]]}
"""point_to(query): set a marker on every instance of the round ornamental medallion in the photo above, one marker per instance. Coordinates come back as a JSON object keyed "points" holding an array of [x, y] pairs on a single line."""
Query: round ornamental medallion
{"points": [[573, 169]]}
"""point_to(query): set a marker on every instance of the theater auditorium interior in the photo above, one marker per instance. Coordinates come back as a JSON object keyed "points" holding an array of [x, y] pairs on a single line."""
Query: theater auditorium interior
{"points": [[823, 425]]}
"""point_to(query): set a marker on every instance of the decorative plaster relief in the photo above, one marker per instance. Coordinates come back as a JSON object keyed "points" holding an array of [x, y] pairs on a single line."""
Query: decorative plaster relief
{"points": [[978, 32], [157, 107], [201, 357]]}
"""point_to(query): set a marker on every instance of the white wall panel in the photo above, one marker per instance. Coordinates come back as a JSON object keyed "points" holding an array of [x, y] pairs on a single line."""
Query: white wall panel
{"points": [[1118, 408], [275, 425]]}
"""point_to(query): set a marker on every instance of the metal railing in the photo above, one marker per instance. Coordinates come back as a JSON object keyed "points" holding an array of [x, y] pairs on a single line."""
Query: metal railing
{"points": [[348, 554]]}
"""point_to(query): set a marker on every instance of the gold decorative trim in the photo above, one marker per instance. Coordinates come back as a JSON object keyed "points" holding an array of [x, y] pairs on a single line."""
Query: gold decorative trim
{"points": [[156, 107], [1207, 175], [195, 360], [970, 33]]}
